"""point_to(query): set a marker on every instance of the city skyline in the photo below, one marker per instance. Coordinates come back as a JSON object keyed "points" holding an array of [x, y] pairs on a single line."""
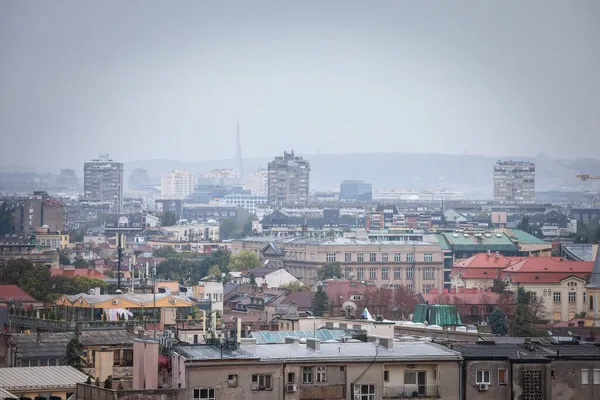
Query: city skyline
{"points": [[411, 77]]}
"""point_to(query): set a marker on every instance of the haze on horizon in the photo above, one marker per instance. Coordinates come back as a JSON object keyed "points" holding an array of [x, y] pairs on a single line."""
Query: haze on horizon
{"points": [[167, 80]]}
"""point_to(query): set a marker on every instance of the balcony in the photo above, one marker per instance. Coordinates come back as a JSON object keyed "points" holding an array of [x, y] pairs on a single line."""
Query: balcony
{"points": [[411, 392]]}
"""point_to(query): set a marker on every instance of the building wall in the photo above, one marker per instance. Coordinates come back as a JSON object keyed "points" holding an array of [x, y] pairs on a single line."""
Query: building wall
{"points": [[514, 182], [103, 181], [440, 379], [177, 184], [145, 372], [289, 179], [276, 279], [566, 379]]}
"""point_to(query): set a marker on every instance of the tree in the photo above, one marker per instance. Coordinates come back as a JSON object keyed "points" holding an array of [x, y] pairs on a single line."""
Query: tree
{"points": [[498, 322], [252, 280], [63, 258], [13, 270], [528, 310], [37, 282], [215, 272], [168, 218], [227, 229], [404, 302], [320, 302], [80, 263], [74, 353], [244, 260], [89, 380], [108, 382], [330, 270], [296, 287], [524, 224], [165, 252], [498, 286]]}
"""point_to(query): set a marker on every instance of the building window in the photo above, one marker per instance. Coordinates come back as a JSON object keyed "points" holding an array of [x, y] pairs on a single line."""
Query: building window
{"points": [[330, 257], [585, 376], [556, 297], [483, 376], [360, 275], [291, 377], [428, 273], [428, 257], [409, 273], [261, 382], [364, 392], [372, 257], [347, 273], [384, 257], [572, 297], [385, 274], [232, 380], [597, 377], [204, 394], [321, 375], [386, 376], [427, 288], [348, 257], [410, 288], [410, 257], [361, 257], [397, 273], [372, 273], [502, 376], [584, 298], [397, 257], [307, 375]]}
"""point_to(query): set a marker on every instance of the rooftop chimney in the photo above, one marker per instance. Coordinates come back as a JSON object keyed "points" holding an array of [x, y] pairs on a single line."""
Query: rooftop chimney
{"points": [[372, 338], [387, 342], [489, 253], [313, 344], [497, 254], [291, 340]]}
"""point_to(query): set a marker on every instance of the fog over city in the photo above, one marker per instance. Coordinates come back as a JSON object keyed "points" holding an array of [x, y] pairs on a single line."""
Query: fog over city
{"points": [[146, 80]]}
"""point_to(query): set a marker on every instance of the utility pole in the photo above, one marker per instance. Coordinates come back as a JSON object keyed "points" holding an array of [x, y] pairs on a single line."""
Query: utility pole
{"points": [[120, 240]]}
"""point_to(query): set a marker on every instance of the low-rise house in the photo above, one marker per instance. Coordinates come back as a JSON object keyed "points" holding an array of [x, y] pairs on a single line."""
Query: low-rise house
{"points": [[54, 383], [480, 270], [12, 296]]}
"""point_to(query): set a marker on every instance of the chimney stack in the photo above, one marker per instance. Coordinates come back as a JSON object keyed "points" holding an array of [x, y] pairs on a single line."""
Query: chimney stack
{"points": [[387, 342], [314, 344], [497, 254]]}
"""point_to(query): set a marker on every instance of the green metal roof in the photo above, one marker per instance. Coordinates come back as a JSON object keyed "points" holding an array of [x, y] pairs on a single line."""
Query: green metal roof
{"points": [[442, 241], [436, 314], [265, 337], [526, 238], [492, 241]]}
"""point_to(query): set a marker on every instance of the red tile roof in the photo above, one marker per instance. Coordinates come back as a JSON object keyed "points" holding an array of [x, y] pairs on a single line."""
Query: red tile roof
{"points": [[70, 273], [464, 296], [483, 260], [340, 290], [8, 292], [301, 299], [547, 270]]}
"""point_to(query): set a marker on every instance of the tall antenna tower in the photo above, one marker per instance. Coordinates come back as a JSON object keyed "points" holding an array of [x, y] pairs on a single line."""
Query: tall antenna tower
{"points": [[239, 163]]}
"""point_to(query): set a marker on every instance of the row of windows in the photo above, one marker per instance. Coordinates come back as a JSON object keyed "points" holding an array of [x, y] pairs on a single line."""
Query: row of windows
{"points": [[428, 273], [485, 376], [385, 257]]}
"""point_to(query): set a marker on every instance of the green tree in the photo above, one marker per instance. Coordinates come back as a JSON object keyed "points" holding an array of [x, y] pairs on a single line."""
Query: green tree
{"points": [[498, 322], [13, 270], [252, 280], [524, 224], [37, 282], [499, 285], [215, 272], [296, 287], [74, 354], [320, 302], [80, 263], [77, 235], [227, 229], [330, 270], [165, 252], [244, 260], [168, 218], [63, 258], [529, 309]]}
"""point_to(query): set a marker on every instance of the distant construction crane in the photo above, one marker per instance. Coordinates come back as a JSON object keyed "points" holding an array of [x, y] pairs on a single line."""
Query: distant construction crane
{"points": [[586, 177]]}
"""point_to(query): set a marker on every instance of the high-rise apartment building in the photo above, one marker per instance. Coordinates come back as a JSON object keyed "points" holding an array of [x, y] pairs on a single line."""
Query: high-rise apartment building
{"points": [[514, 182], [38, 210], [103, 182], [289, 178], [258, 183], [177, 184], [356, 191]]}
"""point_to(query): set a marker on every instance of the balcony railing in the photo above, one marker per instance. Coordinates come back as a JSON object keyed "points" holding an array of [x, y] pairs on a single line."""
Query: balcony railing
{"points": [[411, 391]]}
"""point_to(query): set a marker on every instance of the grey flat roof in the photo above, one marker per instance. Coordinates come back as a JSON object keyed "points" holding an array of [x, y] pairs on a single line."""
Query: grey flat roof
{"points": [[342, 352], [40, 377]]}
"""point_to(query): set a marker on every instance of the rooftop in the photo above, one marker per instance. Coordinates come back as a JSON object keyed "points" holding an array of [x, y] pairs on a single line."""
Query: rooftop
{"points": [[289, 352], [13, 293], [40, 377], [338, 241]]}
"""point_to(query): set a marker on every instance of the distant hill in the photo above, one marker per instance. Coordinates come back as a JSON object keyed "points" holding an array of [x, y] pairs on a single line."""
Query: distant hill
{"points": [[469, 173]]}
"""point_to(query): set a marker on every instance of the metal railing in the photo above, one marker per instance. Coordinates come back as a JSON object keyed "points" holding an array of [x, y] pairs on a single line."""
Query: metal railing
{"points": [[411, 391], [62, 325]]}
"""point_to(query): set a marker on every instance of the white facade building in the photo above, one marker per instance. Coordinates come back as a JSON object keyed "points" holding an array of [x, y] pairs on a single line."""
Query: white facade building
{"points": [[177, 184], [514, 182], [258, 183], [245, 201]]}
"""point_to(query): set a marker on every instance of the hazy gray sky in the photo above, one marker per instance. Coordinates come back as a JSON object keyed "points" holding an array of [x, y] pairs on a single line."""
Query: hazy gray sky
{"points": [[166, 79]]}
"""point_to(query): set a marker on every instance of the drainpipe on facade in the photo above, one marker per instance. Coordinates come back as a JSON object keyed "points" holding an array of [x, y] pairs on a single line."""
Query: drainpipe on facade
{"points": [[283, 379], [461, 395]]}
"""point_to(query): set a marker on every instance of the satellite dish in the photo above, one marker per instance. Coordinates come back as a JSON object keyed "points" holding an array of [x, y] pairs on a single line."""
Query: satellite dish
{"points": [[350, 308]]}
